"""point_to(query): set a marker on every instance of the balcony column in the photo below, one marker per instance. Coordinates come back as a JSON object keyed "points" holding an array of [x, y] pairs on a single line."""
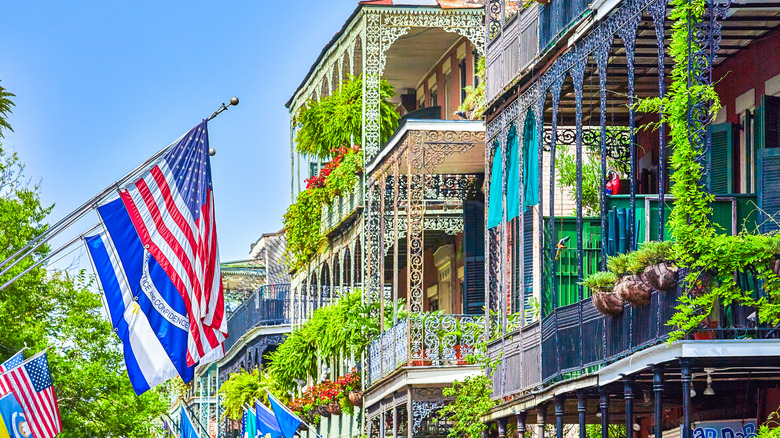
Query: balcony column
{"points": [[582, 405], [396, 184], [381, 253], [541, 419], [501, 427], [604, 410], [521, 417], [686, 378], [395, 419], [658, 390], [559, 408], [628, 395]]}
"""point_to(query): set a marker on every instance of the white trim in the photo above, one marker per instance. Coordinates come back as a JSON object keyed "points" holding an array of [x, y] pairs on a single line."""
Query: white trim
{"points": [[664, 353], [425, 125], [420, 376]]}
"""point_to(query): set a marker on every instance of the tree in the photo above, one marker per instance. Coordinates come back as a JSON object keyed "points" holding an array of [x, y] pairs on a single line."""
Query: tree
{"points": [[5, 109], [62, 312]]}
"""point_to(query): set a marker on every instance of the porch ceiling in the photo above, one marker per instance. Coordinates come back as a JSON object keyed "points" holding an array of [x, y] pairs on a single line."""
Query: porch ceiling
{"points": [[748, 22], [413, 55]]}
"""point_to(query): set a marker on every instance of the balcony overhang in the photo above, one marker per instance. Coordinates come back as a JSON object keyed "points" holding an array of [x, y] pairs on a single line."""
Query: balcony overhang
{"points": [[443, 136], [406, 377]]}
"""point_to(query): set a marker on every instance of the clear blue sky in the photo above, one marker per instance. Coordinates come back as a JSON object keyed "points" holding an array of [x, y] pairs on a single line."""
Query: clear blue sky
{"points": [[102, 85]]}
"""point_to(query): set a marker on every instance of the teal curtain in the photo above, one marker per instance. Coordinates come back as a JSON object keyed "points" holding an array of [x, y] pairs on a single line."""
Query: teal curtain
{"points": [[513, 176], [530, 162], [495, 205]]}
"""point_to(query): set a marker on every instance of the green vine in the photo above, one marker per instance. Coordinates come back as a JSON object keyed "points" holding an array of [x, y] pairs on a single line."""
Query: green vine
{"points": [[712, 259]]}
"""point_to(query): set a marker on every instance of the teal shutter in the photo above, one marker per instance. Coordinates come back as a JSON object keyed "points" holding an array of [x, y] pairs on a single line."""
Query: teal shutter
{"points": [[768, 193], [720, 159], [513, 176], [771, 121], [530, 162], [495, 202]]}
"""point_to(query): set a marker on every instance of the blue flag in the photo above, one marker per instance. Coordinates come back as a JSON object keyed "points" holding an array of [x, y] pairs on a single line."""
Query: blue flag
{"points": [[13, 423], [187, 429], [250, 430], [288, 422], [146, 310], [266, 422]]}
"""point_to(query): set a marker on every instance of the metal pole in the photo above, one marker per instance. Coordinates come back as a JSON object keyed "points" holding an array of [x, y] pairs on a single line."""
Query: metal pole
{"points": [[628, 394], [48, 256], [82, 210], [604, 406], [658, 389], [559, 407], [582, 407], [686, 377]]}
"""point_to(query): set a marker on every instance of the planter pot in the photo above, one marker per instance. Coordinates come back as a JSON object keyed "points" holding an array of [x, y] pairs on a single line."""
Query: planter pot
{"points": [[706, 334], [322, 410], [356, 398], [607, 303], [334, 408], [662, 276], [543, 2], [459, 356], [421, 363], [633, 289], [775, 264]]}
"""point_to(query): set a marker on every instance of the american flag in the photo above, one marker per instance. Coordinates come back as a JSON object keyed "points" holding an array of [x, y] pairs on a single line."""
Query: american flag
{"points": [[172, 209], [33, 387], [13, 362]]}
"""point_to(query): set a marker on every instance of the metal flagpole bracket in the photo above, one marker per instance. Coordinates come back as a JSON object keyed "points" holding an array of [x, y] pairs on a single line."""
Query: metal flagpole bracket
{"points": [[233, 102]]}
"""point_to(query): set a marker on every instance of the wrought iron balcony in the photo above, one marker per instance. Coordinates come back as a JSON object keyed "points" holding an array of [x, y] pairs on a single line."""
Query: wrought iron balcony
{"points": [[268, 305], [342, 208], [574, 340], [423, 341], [513, 46]]}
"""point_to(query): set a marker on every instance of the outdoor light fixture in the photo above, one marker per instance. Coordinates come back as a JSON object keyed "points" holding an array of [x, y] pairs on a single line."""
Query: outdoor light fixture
{"points": [[709, 390], [637, 427], [693, 391]]}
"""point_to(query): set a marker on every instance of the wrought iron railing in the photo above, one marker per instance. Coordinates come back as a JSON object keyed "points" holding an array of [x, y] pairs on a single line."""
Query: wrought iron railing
{"points": [[518, 359], [341, 208], [556, 17], [424, 340], [268, 305]]}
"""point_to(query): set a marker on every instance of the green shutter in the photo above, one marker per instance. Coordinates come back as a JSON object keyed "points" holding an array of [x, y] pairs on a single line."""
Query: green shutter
{"points": [[768, 193], [771, 121], [720, 159]]}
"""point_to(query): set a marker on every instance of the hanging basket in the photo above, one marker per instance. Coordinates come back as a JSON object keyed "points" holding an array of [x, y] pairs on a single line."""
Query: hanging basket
{"points": [[334, 408], [356, 398], [323, 411], [607, 303], [633, 289], [661, 276]]}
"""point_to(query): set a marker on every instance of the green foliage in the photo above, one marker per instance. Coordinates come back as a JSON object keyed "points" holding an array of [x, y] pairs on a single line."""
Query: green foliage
{"points": [[472, 401], [771, 428], [614, 430], [62, 312], [333, 332], [5, 109], [243, 388], [474, 103], [712, 259], [336, 120], [602, 280], [302, 223], [566, 168]]}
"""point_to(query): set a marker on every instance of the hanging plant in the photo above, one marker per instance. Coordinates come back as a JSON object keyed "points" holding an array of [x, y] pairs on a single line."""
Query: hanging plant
{"points": [[604, 299], [336, 120]]}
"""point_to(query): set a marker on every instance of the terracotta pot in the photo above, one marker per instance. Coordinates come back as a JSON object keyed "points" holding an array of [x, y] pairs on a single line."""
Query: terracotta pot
{"points": [[662, 276], [706, 334], [633, 289], [323, 411], [334, 408], [544, 2], [607, 303], [356, 398]]}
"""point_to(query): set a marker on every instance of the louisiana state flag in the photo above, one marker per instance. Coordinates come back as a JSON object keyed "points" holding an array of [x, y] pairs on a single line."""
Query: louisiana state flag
{"points": [[13, 423]]}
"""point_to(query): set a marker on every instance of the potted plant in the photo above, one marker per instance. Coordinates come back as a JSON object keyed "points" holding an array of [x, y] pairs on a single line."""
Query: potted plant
{"points": [[604, 300], [655, 261], [630, 286], [351, 386]]}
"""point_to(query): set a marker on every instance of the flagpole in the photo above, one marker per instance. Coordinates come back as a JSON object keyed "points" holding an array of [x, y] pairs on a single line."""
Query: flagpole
{"points": [[82, 210], [48, 256]]}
